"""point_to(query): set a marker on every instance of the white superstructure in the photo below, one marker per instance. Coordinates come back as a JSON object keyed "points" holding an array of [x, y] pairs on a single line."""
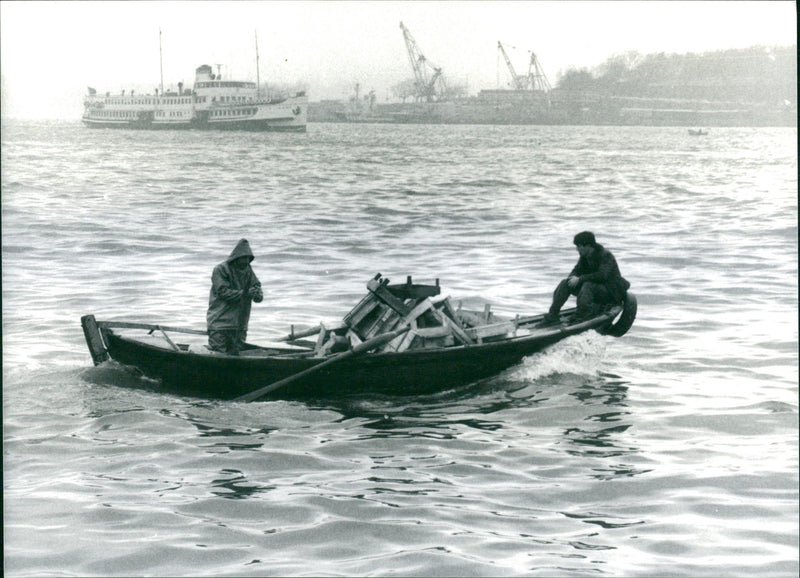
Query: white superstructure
{"points": [[213, 104]]}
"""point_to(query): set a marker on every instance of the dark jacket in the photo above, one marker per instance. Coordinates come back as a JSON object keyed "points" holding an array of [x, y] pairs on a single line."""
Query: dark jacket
{"points": [[601, 267], [229, 302]]}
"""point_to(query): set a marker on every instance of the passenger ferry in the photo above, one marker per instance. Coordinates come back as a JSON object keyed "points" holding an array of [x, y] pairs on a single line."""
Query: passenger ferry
{"points": [[213, 104]]}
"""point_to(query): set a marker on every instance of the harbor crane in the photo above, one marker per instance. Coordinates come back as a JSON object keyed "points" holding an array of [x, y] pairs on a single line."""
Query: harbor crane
{"points": [[519, 81], [429, 84], [534, 80]]}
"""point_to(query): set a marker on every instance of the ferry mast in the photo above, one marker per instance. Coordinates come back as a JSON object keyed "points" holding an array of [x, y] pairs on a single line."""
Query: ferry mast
{"points": [[161, 61], [258, 76]]}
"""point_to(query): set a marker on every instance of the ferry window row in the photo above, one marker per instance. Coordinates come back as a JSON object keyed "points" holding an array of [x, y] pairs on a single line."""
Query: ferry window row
{"points": [[114, 113], [181, 100], [130, 101], [134, 114], [224, 84], [150, 100], [240, 112], [229, 99]]}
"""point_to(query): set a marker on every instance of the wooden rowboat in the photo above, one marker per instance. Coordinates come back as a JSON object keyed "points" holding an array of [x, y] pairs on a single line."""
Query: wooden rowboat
{"points": [[399, 340]]}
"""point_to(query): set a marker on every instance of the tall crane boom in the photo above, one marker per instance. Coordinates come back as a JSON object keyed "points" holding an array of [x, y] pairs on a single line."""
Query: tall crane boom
{"points": [[425, 84], [519, 83], [534, 80], [537, 78]]}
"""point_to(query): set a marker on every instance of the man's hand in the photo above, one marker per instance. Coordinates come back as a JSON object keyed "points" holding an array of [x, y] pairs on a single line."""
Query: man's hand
{"points": [[573, 281], [255, 292]]}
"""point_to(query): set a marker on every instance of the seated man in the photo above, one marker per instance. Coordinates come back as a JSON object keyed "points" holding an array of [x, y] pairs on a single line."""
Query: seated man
{"points": [[595, 280]]}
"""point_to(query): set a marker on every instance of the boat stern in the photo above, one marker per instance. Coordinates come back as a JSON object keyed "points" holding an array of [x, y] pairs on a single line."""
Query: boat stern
{"points": [[97, 347]]}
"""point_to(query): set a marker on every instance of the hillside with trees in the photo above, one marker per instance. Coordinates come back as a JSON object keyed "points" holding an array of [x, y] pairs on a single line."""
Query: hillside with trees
{"points": [[753, 75]]}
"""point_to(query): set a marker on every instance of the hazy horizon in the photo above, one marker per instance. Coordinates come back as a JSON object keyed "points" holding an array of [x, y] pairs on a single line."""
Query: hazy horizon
{"points": [[48, 63]]}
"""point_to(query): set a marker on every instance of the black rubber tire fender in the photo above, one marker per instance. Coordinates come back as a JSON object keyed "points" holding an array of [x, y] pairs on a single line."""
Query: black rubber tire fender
{"points": [[625, 319]]}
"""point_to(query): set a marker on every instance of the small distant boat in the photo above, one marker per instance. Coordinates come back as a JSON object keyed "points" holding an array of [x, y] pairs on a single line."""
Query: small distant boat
{"points": [[698, 132], [399, 340]]}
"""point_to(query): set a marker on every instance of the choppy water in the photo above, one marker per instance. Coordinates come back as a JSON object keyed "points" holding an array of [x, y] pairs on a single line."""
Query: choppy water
{"points": [[670, 451]]}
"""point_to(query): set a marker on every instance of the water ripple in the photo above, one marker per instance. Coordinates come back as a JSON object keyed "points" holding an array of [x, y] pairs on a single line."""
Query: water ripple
{"points": [[670, 451]]}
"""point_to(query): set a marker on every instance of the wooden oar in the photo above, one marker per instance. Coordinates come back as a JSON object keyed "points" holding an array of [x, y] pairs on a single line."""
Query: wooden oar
{"points": [[306, 333], [150, 326], [376, 341]]}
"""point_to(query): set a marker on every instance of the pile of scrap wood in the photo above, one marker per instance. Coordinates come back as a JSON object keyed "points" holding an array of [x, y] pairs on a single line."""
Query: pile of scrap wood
{"points": [[433, 321]]}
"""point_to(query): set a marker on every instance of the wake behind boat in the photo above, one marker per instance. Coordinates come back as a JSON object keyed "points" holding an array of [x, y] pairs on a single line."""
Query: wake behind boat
{"points": [[400, 339]]}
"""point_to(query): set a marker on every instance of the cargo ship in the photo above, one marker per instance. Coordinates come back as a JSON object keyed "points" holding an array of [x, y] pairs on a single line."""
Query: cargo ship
{"points": [[212, 104]]}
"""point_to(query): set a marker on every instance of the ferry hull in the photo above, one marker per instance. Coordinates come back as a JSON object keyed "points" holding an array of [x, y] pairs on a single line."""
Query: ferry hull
{"points": [[258, 125]]}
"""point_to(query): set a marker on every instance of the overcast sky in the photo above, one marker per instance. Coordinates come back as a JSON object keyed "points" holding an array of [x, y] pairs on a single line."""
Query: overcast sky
{"points": [[51, 51]]}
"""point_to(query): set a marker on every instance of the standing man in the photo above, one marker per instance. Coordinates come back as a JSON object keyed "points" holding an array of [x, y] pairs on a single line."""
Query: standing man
{"points": [[233, 287], [595, 280]]}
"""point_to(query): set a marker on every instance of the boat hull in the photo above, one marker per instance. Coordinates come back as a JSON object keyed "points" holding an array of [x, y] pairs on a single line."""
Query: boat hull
{"points": [[251, 125], [413, 372], [194, 112]]}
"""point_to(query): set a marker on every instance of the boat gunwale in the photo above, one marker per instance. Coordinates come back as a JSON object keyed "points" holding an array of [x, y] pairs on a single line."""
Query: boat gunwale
{"points": [[543, 334]]}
